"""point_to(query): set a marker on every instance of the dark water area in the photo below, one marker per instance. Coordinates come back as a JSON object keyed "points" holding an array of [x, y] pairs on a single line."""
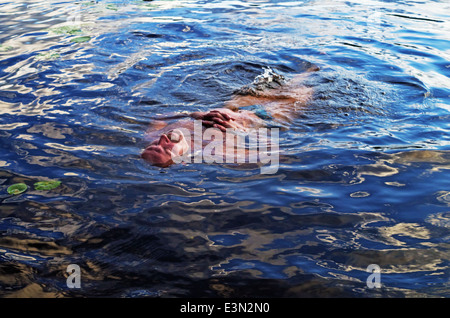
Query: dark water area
{"points": [[363, 176]]}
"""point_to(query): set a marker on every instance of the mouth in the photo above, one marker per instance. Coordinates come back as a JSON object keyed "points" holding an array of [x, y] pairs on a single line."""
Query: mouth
{"points": [[154, 147]]}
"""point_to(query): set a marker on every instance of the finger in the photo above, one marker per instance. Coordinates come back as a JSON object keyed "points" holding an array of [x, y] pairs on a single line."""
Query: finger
{"points": [[214, 114], [226, 116], [222, 123], [220, 127], [221, 115], [208, 123], [218, 120]]}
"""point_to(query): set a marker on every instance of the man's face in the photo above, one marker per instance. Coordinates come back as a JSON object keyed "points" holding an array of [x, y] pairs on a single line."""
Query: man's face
{"points": [[163, 150]]}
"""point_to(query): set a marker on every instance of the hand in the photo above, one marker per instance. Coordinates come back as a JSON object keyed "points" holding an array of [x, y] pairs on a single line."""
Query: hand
{"points": [[214, 118]]}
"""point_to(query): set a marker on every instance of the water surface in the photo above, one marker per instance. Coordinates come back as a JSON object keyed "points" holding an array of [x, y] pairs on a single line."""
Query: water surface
{"points": [[363, 178]]}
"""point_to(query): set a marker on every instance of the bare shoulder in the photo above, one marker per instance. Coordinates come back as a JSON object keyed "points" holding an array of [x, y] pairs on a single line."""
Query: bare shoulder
{"points": [[292, 90]]}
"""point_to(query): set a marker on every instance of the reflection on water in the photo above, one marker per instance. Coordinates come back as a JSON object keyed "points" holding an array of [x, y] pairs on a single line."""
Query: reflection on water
{"points": [[363, 176]]}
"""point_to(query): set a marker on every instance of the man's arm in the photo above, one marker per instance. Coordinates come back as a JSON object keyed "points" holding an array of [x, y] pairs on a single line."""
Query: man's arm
{"points": [[214, 118], [283, 103]]}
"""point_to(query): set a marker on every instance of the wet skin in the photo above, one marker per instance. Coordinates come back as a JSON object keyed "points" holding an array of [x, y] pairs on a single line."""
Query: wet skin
{"points": [[282, 104], [161, 151], [173, 143]]}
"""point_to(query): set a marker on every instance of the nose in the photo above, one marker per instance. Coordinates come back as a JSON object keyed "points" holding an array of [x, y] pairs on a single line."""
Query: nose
{"points": [[163, 140]]}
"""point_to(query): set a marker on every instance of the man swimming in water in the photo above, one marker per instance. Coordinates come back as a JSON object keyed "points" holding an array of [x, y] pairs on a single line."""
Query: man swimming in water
{"points": [[270, 100]]}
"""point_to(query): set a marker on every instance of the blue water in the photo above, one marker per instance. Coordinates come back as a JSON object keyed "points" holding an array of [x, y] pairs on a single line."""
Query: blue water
{"points": [[363, 176]]}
